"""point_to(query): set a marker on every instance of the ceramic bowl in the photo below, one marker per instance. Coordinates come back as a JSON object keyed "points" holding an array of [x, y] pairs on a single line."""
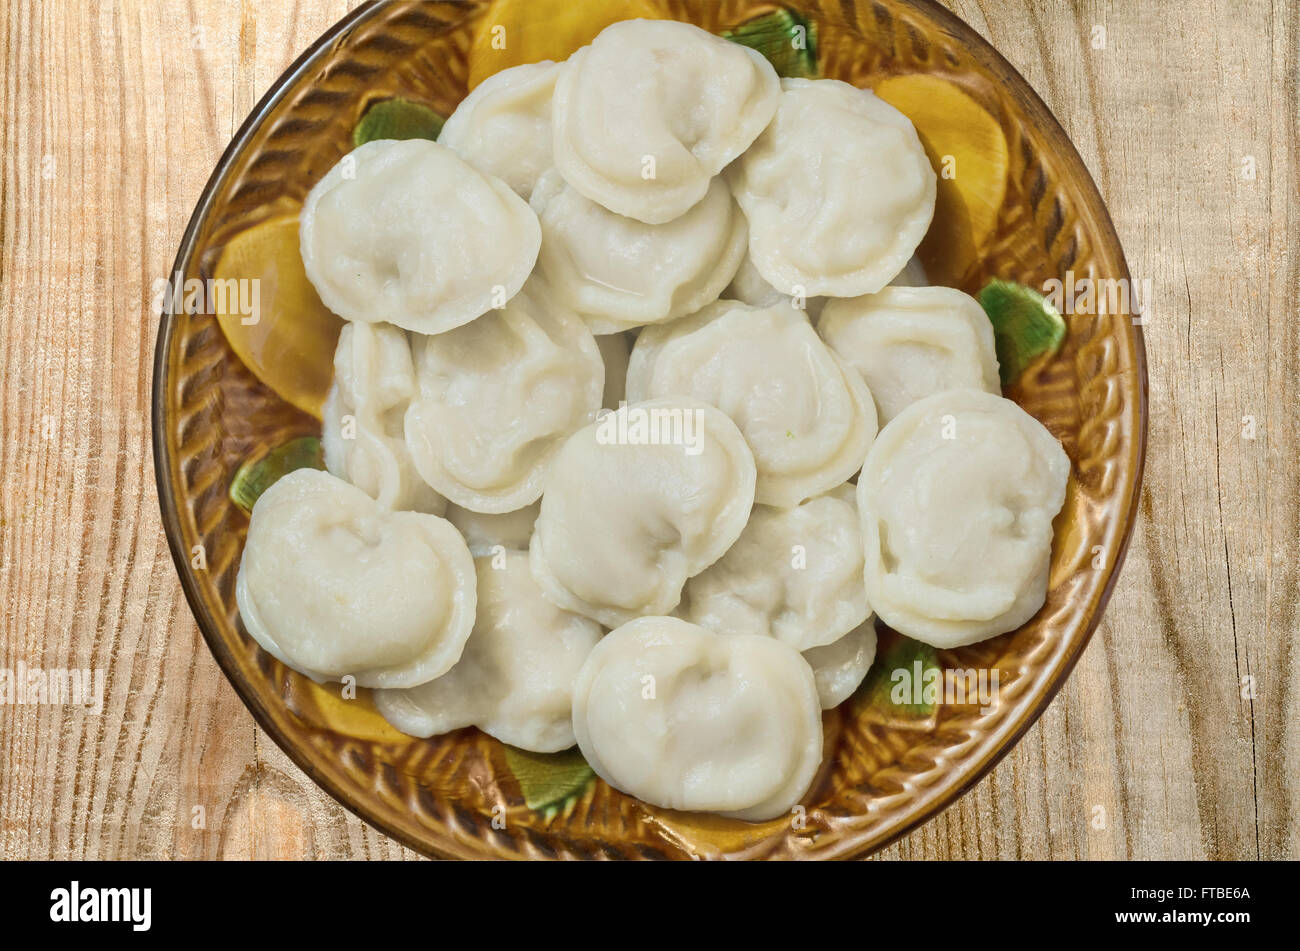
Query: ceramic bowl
{"points": [[887, 768]]}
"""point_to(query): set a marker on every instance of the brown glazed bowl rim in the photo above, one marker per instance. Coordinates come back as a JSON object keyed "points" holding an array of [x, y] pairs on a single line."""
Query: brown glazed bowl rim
{"points": [[965, 775]]}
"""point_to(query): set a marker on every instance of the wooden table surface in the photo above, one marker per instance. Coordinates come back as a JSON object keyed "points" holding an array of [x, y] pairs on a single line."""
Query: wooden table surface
{"points": [[1176, 737]]}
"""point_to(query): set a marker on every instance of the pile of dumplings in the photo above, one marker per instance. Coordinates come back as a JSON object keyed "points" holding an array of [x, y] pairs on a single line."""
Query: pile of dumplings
{"points": [[642, 411]]}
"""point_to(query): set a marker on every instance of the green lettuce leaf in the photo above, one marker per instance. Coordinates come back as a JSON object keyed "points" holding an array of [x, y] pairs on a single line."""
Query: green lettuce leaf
{"points": [[257, 475], [895, 698], [788, 40], [549, 780], [397, 119], [1025, 326]]}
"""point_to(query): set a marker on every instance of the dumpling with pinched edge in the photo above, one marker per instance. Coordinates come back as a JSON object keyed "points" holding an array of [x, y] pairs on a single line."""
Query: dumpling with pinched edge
{"points": [[636, 503], [515, 678], [620, 273], [957, 499], [491, 534], [807, 418], [407, 233], [652, 110], [332, 584], [685, 719], [503, 127], [909, 342], [838, 190], [361, 431], [497, 398], [839, 668], [794, 574]]}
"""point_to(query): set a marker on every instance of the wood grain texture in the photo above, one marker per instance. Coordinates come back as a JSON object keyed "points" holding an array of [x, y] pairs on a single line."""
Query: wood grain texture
{"points": [[111, 123]]}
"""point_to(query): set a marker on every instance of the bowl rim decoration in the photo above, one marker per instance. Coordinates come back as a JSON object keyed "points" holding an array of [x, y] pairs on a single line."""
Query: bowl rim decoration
{"points": [[383, 802]]}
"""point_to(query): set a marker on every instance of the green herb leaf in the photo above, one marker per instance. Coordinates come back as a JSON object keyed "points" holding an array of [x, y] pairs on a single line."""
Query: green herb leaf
{"points": [[397, 119], [896, 686], [788, 40], [256, 476], [549, 780], [1025, 326]]}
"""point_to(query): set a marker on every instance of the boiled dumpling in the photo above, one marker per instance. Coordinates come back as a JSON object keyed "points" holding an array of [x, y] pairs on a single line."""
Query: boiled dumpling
{"points": [[652, 110], [909, 342], [619, 273], [332, 584], [957, 499], [794, 574], [840, 668], [362, 419], [614, 350], [497, 398], [406, 233], [490, 534], [515, 678], [638, 502], [838, 191], [808, 418], [503, 127], [683, 718]]}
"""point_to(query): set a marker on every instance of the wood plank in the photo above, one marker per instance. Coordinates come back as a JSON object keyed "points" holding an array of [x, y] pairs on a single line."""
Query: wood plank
{"points": [[112, 122]]}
